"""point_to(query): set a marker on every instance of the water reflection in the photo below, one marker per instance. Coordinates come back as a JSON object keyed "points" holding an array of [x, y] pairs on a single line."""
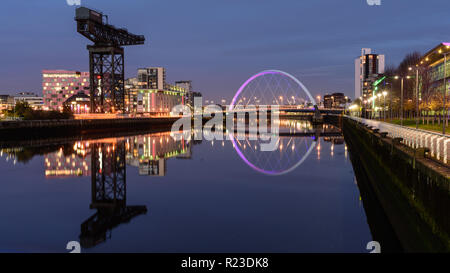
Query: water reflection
{"points": [[150, 152], [109, 193], [294, 144], [68, 162], [106, 161]]}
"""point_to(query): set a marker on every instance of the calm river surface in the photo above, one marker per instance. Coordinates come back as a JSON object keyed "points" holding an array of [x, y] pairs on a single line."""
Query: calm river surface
{"points": [[151, 193]]}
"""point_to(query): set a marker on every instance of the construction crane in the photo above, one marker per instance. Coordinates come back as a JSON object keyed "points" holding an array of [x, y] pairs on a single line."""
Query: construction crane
{"points": [[106, 59]]}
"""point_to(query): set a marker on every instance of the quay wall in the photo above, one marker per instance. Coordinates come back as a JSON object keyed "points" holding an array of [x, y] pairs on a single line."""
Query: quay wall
{"points": [[36, 128], [412, 188]]}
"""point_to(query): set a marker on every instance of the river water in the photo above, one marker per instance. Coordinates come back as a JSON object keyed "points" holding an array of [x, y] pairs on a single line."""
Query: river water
{"points": [[152, 193]]}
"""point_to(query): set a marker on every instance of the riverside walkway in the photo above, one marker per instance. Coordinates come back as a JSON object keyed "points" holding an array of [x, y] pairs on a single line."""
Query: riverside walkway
{"points": [[438, 144]]}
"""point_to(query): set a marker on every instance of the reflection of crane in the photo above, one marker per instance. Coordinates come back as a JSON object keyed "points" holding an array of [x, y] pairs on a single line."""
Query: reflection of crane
{"points": [[106, 59], [108, 194], [94, 229]]}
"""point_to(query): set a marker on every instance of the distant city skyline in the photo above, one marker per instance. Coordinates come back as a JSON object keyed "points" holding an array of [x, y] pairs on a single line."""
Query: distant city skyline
{"points": [[219, 44]]}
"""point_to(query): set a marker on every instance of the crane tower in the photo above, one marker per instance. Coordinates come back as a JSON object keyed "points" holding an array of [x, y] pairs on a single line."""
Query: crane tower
{"points": [[106, 59]]}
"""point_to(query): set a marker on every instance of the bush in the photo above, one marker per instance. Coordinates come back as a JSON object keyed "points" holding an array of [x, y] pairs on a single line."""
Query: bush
{"points": [[23, 110], [45, 115]]}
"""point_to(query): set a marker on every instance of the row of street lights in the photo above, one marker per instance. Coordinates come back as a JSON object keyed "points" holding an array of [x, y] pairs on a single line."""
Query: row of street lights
{"points": [[385, 93], [416, 91], [378, 96], [402, 78]]}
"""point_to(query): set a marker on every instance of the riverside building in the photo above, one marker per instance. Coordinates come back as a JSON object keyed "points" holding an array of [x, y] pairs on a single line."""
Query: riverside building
{"points": [[150, 94], [59, 85]]}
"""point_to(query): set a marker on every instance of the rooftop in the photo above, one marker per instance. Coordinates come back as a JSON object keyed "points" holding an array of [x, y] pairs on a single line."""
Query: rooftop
{"points": [[435, 55]]}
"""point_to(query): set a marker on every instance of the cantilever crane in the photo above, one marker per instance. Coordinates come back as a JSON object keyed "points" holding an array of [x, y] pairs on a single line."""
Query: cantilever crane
{"points": [[106, 59]]}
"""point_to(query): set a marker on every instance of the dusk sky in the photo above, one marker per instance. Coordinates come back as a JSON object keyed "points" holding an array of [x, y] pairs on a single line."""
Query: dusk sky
{"points": [[218, 44]]}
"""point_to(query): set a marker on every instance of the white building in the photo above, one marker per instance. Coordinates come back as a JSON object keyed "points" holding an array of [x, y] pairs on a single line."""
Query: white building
{"points": [[366, 66], [152, 78], [33, 100]]}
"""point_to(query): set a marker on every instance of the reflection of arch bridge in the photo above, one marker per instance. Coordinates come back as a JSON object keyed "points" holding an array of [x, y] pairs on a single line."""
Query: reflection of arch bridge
{"points": [[316, 133]]}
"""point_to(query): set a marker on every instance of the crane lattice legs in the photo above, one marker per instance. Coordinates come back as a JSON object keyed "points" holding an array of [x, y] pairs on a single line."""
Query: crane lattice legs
{"points": [[106, 68]]}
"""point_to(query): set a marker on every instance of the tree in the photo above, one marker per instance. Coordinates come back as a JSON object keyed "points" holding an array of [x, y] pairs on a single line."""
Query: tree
{"points": [[409, 86], [22, 108]]}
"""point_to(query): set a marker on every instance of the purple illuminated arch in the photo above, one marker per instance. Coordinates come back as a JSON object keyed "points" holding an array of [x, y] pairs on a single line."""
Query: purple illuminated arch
{"points": [[231, 107], [266, 72]]}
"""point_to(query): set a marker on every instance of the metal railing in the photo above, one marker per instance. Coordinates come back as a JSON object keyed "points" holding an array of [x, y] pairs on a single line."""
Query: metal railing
{"points": [[437, 143]]}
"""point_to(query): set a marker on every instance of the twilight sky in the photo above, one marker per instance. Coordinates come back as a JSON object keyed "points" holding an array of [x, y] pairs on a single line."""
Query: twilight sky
{"points": [[218, 44]]}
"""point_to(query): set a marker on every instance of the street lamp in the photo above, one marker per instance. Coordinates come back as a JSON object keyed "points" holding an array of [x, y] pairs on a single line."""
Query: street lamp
{"points": [[445, 90], [364, 114], [384, 108], [369, 100], [379, 97], [417, 95], [401, 97]]}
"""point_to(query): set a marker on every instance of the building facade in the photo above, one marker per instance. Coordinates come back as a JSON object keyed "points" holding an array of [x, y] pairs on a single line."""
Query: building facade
{"points": [[190, 94], [335, 100], [36, 102], [59, 85], [150, 94], [78, 103], [186, 85], [151, 78], [367, 67], [153, 101], [437, 68], [6, 102]]}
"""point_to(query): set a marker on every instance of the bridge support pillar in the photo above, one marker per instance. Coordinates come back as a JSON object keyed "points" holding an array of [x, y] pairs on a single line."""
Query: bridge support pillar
{"points": [[317, 117]]}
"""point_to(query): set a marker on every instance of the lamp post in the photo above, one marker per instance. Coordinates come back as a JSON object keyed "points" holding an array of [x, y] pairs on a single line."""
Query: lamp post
{"points": [[445, 91], [379, 103], [390, 100], [417, 96], [384, 108], [401, 97], [363, 114]]}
